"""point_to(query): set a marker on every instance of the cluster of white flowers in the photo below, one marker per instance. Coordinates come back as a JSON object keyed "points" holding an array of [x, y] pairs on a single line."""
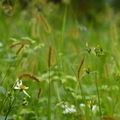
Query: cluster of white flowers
{"points": [[68, 110]]}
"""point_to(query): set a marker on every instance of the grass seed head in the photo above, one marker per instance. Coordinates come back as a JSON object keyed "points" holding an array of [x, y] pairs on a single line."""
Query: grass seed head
{"points": [[39, 93], [51, 57], [79, 68], [18, 43], [30, 76]]}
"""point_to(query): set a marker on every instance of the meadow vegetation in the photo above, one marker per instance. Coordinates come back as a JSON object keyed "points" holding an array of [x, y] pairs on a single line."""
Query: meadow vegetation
{"points": [[54, 66]]}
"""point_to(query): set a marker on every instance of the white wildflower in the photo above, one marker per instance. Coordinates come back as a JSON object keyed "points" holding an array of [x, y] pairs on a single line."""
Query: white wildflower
{"points": [[95, 109], [69, 110], [63, 106], [82, 105], [21, 87]]}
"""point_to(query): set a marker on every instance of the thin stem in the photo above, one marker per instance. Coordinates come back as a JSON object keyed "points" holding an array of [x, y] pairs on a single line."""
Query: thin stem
{"points": [[49, 98], [98, 90], [82, 93], [76, 98], [11, 105], [57, 91], [35, 109], [117, 98], [8, 70], [84, 99], [5, 100]]}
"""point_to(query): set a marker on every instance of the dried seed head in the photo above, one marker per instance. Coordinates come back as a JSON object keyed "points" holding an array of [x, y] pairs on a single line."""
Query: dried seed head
{"points": [[51, 57], [30, 76], [39, 93], [42, 19], [109, 118], [79, 68], [18, 43], [20, 48]]}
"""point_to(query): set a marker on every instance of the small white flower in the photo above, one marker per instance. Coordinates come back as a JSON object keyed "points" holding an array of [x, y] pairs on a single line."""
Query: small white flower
{"points": [[72, 106], [21, 87], [69, 110], [63, 106], [65, 111], [95, 108], [82, 105], [72, 110]]}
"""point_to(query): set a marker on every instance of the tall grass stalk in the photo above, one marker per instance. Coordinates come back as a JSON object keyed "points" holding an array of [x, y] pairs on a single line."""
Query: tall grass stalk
{"points": [[61, 39], [84, 99], [49, 98], [49, 65], [97, 89], [81, 89]]}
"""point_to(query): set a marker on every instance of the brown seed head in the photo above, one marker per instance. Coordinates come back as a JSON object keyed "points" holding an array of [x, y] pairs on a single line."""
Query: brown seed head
{"points": [[30, 76]]}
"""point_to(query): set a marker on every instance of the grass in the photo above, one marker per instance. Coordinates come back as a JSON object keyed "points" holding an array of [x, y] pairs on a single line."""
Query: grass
{"points": [[77, 81]]}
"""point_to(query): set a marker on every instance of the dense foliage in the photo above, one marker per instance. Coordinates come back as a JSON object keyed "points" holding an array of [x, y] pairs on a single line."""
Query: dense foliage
{"points": [[56, 64]]}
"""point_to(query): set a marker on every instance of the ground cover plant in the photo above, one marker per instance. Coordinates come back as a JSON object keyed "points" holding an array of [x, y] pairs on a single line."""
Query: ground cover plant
{"points": [[54, 66]]}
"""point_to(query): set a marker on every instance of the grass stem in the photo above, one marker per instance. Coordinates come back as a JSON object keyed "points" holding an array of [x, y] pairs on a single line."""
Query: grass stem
{"points": [[7, 70], [11, 105], [49, 98], [97, 89]]}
